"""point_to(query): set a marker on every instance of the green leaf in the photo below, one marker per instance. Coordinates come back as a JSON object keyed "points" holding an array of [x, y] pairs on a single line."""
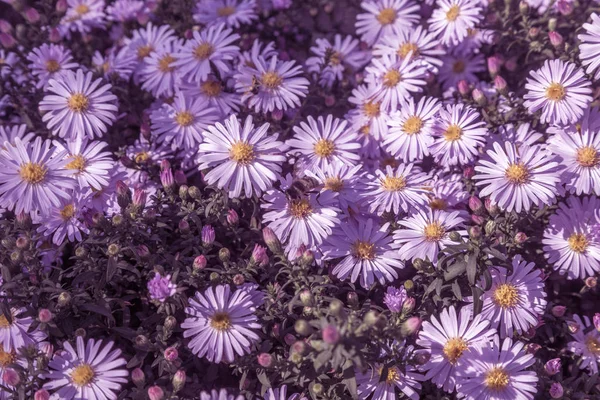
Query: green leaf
{"points": [[472, 268], [455, 270], [350, 380], [456, 290], [477, 303]]}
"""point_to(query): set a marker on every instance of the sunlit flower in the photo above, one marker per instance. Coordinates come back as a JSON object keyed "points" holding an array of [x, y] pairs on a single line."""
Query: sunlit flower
{"points": [[453, 19], [10, 133], [159, 74], [368, 119], [589, 48], [49, 61], [88, 163], [371, 382], [385, 18], [17, 333], [82, 16], [586, 343]]}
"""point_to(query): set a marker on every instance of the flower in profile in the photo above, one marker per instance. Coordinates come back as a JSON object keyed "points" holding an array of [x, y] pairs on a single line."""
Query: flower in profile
{"points": [[589, 48], [9, 133], [280, 393], [219, 395], [212, 47], [368, 252], [82, 16], [159, 74], [450, 340], [394, 298], [586, 343], [161, 288], [560, 89], [89, 164], [64, 221], [342, 179], [410, 129], [448, 192], [515, 300], [426, 232], [231, 13], [32, 177], [213, 91], [15, 331], [78, 107], [458, 133], [395, 190], [182, 122], [497, 371], [453, 19], [244, 158], [119, 63], [49, 61], [324, 142], [221, 324], [405, 379], [460, 66], [517, 178], [571, 243], [385, 18], [89, 371], [271, 85]]}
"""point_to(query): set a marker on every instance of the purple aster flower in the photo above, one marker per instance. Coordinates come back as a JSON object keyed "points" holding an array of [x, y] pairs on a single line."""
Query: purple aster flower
{"points": [[453, 19], [405, 379], [88, 163], [8, 61], [89, 371], [368, 119], [342, 179], [271, 85], [161, 287], [516, 179], [148, 40], [280, 393], [497, 371], [561, 90], [219, 395], [159, 74], [449, 341], [116, 62], [78, 107], [10, 133], [64, 221], [385, 18], [208, 235], [570, 242], [82, 16], [521, 136], [213, 91], [394, 298], [258, 50], [323, 142], [125, 10], [232, 13], [221, 324], [49, 61], [460, 66], [368, 252], [586, 344], [553, 367], [589, 48], [17, 333], [32, 177], [245, 159], [448, 192]]}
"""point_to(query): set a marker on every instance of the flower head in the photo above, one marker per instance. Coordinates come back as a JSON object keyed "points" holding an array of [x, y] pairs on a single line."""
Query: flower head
{"points": [[49, 61], [385, 18], [161, 288], [586, 343], [453, 19], [232, 13]]}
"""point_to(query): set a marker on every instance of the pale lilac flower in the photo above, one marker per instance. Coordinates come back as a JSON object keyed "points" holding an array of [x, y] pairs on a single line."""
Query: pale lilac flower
{"points": [[125, 10], [586, 344], [385, 18], [49, 61], [219, 395], [342, 179], [148, 40], [448, 192], [453, 19], [368, 119], [18, 333], [82, 16], [460, 66], [64, 221], [589, 48], [394, 298], [116, 62], [258, 50], [161, 288], [159, 74], [213, 91], [10, 133], [8, 62], [521, 136], [89, 164], [405, 379], [232, 13]]}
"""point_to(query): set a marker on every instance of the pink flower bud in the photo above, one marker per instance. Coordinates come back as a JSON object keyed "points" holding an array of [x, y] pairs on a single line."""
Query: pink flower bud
{"points": [[138, 377], [31, 15], [184, 226], [11, 377], [463, 87], [277, 115], [411, 326], [556, 39], [468, 171], [559, 311], [329, 101], [44, 315], [259, 255], [494, 63], [500, 84], [143, 18], [330, 334], [166, 177], [553, 366], [491, 207], [475, 232], [409, 305], [178, 380], [533, 32], [7, 40], [156, 393], [271, 240], [5, 26], [479, 97], [199, 262], [171, 354], [475, 204], [596, 320], [556, 390], [477, 219], [591, 282], [265, 360], [565, 7], [41, 394], [61, 6], [232, 217], [139, 198], [521, 237]]}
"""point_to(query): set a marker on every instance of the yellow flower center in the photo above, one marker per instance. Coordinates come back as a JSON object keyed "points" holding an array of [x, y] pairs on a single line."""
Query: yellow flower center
{"points": [[203, 51], [225, 11], [142, 157], [365, 130], [82, 375], [496, 379], [334, 184], [335, 58], [371, 109], [67, 212], [406, 48], [324, 148], [82, 9], [220, 321], [7, 358], [555, 92], [434, 232], [300, 209], [392, 376], [454, 348], [438, 204], [506, 295], [184, 118], [578, 242], [363, 250], [52, 66], [391, 78], [453, 133], [78, 102], [144, 51], [4, 323], [453, 13], [242, 153], [593, 345], [517, 174], [412, 125], [33, 172], [271, 80], [164, 64], [458, 67], [78, 163], [393, 183], [587, 157], [386, 16], [211, 88]]}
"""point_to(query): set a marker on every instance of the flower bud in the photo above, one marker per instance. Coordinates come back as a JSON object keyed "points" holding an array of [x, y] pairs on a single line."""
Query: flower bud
{"points": [[64, 299], [556, 39], [7, 40], [139, 199], [11, 377], [408, 306], [552, 24], [41, 394], [491, 207], [170, 323], [199, 263], [494, 63], [317, 388], [352, 299], [22, 243], [306, 297], [479, 97], [265, 360], [596, 321], [475, 204], [289, 339], [166, 178], [556, 390], [591, 282], [138, 377], [302, 327], [141, 341], [565, 7], [271, 240], [184, 226], [468, 171], [475, 232], [336, 307], [259, 256], [463, 87], [411, 326], [533, 348], [370, 318], [224, 254], [32, 15], [194, 193], [559, 311], [329, 100], [238, 279], [500, 84], [171, 354], [180, 177], [455, 236], [155, 393], [330, 334], [44, 315], [183, 191], [524, 7], [5, 26], [490, 227], [24, 220], [113, 249], [307, 258], [208, 235], [178, 380], [123, 194], [232, 217], [521, 237], [553, 366]]}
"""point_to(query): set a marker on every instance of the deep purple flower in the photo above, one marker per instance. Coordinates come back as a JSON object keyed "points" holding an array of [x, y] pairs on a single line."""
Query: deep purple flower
{"points": [[394, 298], [553, 367], [208, 235], [161, 288]]}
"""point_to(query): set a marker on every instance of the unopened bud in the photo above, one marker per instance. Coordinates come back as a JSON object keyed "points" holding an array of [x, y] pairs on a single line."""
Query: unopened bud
{"points": [[553, 366], [494, 63], [370, 318], [559, 311], [11, 377], [155, 393], [591, 282], [170, 323], [520, 237], [113, 249], [7, 40], [409, 305], [123, 194], [306, 297], [475, 232], [271, 240], [171, 354], [552, 24], [336, 307], [61, 6], [138, 377], [490, 227], [265, 360], [224, 254], [479, 97], [238, 279], [556, 390], [330, 334], [500, 84], [302, 327], [463, 87], [468, 172], [455, 236], [232, 217], [534, 32], [184, 226], [44, 315], [194, 193], [475, 204], [141, 341], [41, 394], [199, 263], [411, 326], [556, 39], [352, 299], [317, 389], [178, 380], [64, 299]]}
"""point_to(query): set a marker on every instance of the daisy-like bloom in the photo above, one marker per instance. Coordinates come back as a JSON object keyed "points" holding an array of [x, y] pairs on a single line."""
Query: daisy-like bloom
{"points": [[8, 60], [159, 75], [561, 90], [449, 340], [410, 129], [48, 62], [87, 161], [182, 122], [16, 334], [270, 85], [570, 242], [517, 178], [77, 106], [219, 395], [586, 343], [146, 153], [64, 221], [419, 43], [232, 13], [385, 18], [89, 371], [395, 79], [368, 119], [447, 192], [10, 133], [395, 190], [124, 10], [515, 300], [301, 221], [148, 40], [460, 66], [324, 141], [521, 136], [32, 176], [213, 91], [280, 394], [210, 48], [244, 159], [459, 132], [405, 379], [258, 49], [427, 232], [589, 48], [452, 19], [331, 61], [117, 62], [342, 179], [221, 324], [82, 16], [368, 252]]}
